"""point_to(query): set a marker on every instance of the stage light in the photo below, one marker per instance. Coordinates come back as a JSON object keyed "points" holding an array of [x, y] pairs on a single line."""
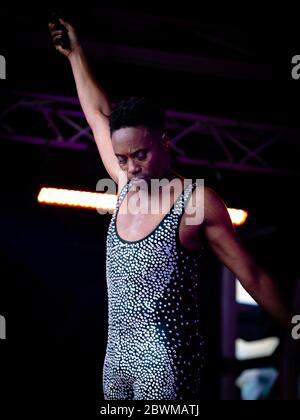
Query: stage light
{"points": [[242, 296], [92, 200], [74, 198], [238, 217], [264, 347]]}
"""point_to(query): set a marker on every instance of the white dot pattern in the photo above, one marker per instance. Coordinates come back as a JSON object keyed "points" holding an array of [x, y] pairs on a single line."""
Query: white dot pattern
{"points": [[154, 348]]}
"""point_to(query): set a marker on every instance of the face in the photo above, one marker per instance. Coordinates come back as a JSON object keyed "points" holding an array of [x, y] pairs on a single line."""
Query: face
{"points": [[141, 153]]}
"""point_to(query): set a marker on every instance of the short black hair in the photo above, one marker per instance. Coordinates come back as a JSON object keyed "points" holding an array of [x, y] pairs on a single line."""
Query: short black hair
{"points": [[136, 112]]}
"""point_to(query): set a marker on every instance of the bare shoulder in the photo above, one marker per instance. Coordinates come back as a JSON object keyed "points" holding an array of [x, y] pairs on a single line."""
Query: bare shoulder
{"points": [[212, 198], [206, 208], [207, 196], [215, 208]]}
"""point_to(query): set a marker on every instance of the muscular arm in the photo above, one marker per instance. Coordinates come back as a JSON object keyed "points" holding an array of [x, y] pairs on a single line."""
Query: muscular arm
{"points": [[227, 246], [93, 99], [96, 107]]}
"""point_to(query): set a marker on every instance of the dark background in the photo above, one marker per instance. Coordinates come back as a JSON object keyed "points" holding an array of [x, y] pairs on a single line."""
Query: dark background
{"points": [[53, 287]]}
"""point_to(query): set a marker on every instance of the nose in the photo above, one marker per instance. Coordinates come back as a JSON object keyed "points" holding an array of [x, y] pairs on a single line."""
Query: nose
{"points": [[133, 168]]}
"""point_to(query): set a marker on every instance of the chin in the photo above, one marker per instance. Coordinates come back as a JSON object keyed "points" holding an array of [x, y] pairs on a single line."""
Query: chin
{"points": [[138, 180], [141, 182]]}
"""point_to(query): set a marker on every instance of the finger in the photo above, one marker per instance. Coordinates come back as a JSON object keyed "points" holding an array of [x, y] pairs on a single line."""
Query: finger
{"points": [[63, 51], [64, 23], [55, 33], [59, 48], [57, 39], [51, 25]]}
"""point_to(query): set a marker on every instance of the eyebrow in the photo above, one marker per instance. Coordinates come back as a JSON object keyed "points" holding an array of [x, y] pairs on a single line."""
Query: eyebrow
{"points": [[145, 149]]}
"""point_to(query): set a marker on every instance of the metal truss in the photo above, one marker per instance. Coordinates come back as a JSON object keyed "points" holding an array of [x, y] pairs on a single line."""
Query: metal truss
{"points": [[204, 141]]}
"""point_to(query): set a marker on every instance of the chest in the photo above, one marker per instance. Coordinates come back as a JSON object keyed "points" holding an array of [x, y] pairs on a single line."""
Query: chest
{"points": [[135, 227]]}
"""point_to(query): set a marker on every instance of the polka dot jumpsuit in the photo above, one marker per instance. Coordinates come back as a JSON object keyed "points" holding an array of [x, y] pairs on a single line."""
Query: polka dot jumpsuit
{"points": [[154, 346]]}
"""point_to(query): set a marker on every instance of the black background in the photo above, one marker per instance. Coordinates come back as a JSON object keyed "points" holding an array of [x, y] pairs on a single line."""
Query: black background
{"points": [[53, 290]]}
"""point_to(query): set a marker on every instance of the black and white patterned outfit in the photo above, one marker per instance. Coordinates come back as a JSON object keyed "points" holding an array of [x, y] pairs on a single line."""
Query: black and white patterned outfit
{"points": [[155, 348]]}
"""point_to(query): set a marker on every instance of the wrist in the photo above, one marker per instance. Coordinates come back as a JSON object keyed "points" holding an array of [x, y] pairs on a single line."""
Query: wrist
{"points": [[75, 53]]}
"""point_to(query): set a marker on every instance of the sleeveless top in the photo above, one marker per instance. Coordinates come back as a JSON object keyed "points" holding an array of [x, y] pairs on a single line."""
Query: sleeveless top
{"points": [[152, 288]]}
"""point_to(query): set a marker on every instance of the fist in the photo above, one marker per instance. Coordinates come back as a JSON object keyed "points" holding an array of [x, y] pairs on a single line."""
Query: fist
{"points": [[64, 37]]}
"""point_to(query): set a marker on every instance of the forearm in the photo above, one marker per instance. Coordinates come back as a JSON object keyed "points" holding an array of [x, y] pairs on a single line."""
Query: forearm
{"points": [[267, 294], [91, 95]]}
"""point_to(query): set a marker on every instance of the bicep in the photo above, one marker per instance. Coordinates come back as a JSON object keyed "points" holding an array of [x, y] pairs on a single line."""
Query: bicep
{"points": [[225, 243]]}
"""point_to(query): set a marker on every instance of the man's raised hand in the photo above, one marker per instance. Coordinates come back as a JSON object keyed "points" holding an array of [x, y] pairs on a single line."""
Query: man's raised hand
{"points": [[57, 35]]}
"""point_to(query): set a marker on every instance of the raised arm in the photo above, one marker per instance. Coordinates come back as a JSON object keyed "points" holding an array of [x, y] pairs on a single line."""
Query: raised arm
{"points": [[93, 99], [227, 246]]}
